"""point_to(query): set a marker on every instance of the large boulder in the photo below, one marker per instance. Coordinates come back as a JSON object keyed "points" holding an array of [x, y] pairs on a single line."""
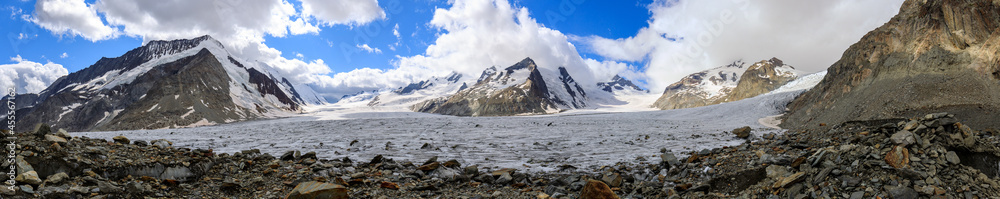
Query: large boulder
{"points": [[313, 190], [934, 56]]}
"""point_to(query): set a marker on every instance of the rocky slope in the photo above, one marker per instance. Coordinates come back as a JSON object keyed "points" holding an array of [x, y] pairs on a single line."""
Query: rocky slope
{"points": [[728, 83], [932, 56], [522, 88], [166, 84]]}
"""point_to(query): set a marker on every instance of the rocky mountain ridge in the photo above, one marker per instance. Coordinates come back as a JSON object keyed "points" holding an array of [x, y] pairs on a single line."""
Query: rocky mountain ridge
{"points": [[933, 56], [728, 83], [166, 84], [516, 90]]}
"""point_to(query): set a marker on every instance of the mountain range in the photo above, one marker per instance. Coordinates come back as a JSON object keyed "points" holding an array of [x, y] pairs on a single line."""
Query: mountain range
{"points": [[727, 83], [166, 84]]}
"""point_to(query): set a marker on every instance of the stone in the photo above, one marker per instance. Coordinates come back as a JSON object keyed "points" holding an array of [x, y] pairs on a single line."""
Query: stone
{"points": [[389, 185], [504, 178], [27, 189], [898, 157], [62, 133], [775, 171], [431, 160], [952, 157], [121, 139], [42, 129], [484, 178], [472, 170], [668, 159], [597, 190], [791, 179], [309, 155], [8, 192], [452, 163], [542, 196], [140, 143], [136, 188], [56, 178], [904, 138], [743, 132], [107, 187], [375, 160], [54, 138], [901, 192], [30, 177], [429, 167], [612, 179], [162, 143], [857, 195], [912, 124], [288, 155], [313, 189]]}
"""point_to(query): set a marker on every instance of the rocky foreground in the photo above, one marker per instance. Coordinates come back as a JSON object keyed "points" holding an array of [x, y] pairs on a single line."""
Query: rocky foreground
{"points": [[928, 157]]}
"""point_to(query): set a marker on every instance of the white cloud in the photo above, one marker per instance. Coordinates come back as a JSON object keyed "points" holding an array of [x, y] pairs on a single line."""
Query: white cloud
{"points": [[299, 55], [810, 35], [29, 77], [474, 35], [64, 55], [332, 12], [71, 17], [369, 49]]}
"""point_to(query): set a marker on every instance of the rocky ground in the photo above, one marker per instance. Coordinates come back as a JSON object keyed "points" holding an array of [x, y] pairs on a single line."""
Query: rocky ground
{"points": [[927, 157]]}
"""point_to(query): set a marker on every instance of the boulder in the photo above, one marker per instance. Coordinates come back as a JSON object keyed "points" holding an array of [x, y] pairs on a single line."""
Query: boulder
{"points": [[313, 189], [743, 132], [54, 138], [597, 190], [121, 139]]}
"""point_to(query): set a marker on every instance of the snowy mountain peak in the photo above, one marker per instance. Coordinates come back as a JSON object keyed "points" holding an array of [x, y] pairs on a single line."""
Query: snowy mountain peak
{"points": [[619, 84], [726, 83], [522, 88], [168, 84]]}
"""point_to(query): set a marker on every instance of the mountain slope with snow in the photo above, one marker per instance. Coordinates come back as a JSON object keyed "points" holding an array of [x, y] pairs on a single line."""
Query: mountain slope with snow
{"points": [[167, 84], [520, 89], [728, 83]]}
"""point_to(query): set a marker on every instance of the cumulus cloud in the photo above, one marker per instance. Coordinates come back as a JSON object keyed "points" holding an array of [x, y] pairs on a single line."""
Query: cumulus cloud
{"points": [[240, 25], [29, 77], [64, 55], [688, 36], [72, 17], [369, 49], [332, 12], [511, 34]]}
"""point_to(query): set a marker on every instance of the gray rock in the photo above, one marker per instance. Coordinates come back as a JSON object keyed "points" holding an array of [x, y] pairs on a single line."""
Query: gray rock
{"points": [[504, 178], [107, 187], [612, 179], [62, 133], [472, 170], [162, 143], [775, 171], [56, 178], [288, 155], [484, 178], [668, 158], [140, 143], [857, 195], [904, 138], [30, 177], [27, 189], [135, 188], [901, 192], [952, 157], [54, 138], [743, 132]]}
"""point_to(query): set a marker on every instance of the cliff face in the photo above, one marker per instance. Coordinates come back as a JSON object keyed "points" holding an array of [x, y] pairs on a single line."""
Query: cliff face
{"points": [[762, 77], [933, 56]]}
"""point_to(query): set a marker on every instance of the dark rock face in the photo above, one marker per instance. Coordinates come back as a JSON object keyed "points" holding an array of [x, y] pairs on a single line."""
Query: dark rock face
{"points": [[933, 56], [518, 89], [191, 89], [618, 83]]}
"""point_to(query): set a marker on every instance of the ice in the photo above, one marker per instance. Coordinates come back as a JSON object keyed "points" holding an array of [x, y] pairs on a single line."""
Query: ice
{"points": [[583, 138]]}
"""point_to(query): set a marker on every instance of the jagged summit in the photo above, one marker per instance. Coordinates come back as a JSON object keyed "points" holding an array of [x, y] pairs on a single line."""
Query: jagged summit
{"points": [[522, 88], [167, 84], [620, 84]]}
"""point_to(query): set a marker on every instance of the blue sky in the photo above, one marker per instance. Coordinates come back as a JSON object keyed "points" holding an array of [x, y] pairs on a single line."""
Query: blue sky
{"points": [[339, 47], [603, 18]]}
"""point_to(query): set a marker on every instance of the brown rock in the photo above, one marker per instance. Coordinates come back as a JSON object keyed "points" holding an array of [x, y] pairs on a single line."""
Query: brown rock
{"points": [[429, 167], [792, 179], [389, 185], [120, 139], [597, 190], [898, 157], [313, 189], [612, 179], [743, 132], [452, 164]]}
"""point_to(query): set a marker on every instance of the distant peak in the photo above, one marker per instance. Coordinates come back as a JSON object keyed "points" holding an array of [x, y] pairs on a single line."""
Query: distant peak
{"points": [[525, 63]]}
